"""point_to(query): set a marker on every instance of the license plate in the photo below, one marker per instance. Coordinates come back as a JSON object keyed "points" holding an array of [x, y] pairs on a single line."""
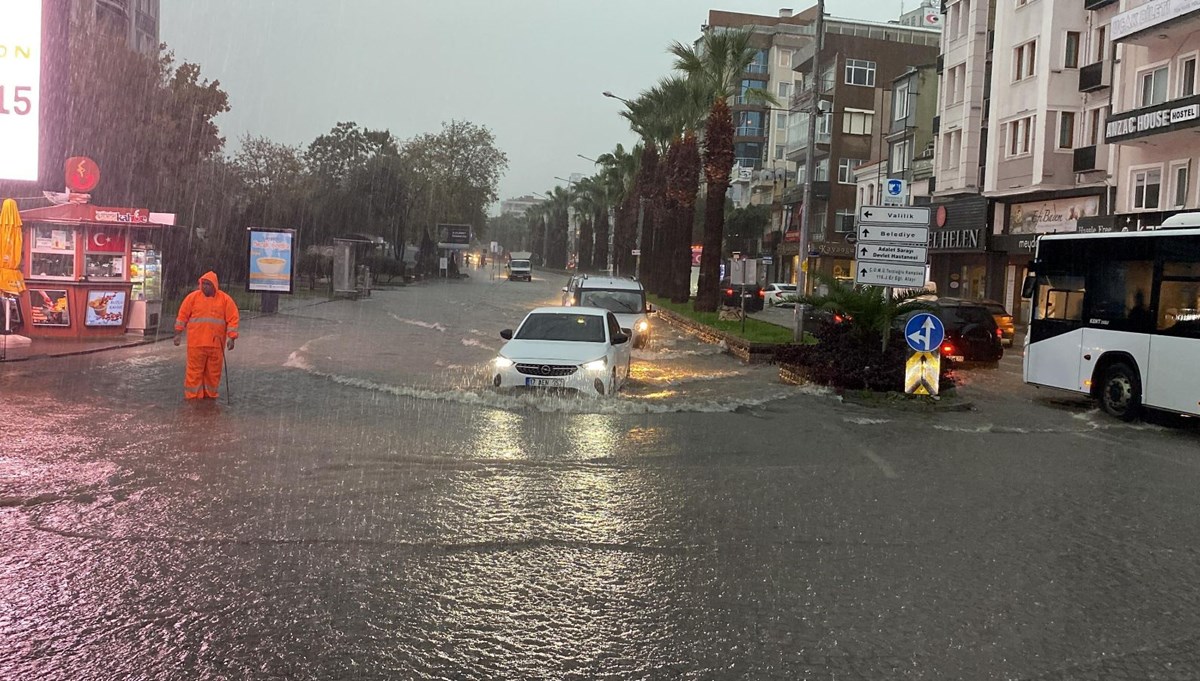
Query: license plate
{"points": [[544, 382], [956, 358]]}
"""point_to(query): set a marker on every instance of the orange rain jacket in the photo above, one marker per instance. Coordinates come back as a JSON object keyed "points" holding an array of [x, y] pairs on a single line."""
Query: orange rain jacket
{"points": [[209, 321]]}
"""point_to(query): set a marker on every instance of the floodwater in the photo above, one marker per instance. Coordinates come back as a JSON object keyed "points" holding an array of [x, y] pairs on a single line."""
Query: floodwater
{"points": [[361, 506]]}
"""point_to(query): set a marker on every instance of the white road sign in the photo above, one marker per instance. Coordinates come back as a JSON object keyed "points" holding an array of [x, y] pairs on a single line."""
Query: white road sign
{"points": [[887, 274], [895, 216], [883, 234], [892, 253]]}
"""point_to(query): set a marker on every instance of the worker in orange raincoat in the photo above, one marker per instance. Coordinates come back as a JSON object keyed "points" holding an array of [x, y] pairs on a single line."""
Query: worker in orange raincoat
{"points": [[210, 318]]}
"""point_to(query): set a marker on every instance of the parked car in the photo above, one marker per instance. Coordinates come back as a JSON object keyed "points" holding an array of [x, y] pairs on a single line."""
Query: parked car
{"points": [[732, 295], [572, 348], [568, 291], [971, 331], [1004, 320], [520, 270], [780, 294]]}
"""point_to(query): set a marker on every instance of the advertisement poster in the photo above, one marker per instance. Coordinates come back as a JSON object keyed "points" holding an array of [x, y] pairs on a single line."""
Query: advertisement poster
{"points": [[20, 88], [454, 237], [49, 307], [271, 260], [1045, 217], [105, 308]]}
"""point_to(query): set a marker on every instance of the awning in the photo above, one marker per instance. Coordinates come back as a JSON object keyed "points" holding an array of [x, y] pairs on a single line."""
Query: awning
{"points": [[87, 214]]}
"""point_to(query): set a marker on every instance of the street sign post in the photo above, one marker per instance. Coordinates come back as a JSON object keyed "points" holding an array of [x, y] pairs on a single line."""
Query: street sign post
{"points": [[887, 234], [913, 255], [913, 216], [889, 274]]}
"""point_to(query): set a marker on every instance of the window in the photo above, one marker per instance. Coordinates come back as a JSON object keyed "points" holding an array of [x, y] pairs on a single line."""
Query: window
{"points": [[1099, 42], [785, 58], [1066, 130], [1187, 76], [1147, 185], [960, 83], [1020, 133], [952, 19], [52, 254], [1179, 174], [822, 174], [844, 222], [1179, 299], [951, 148], [1024, 60], [857, 122], [898, 157], [785, 90], [900, 102], [1119, 291], [846, 168], [860, 72], [1060, 296], [1095, 117], [965, 18], [780, 149], [781, 120], [1071, 58], [759, 65], [1154, 86], [104, 257]]}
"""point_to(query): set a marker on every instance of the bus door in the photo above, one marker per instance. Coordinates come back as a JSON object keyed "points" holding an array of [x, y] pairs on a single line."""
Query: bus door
{"points": [[1173, 377], [1052, 356]]}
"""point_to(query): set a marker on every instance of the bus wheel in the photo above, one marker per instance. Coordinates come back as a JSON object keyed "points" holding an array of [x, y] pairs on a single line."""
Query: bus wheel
{"points": [[1121, 393]]}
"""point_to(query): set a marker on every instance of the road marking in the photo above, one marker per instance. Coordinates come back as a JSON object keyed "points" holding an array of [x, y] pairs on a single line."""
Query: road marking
{"points": [[888, 471]]}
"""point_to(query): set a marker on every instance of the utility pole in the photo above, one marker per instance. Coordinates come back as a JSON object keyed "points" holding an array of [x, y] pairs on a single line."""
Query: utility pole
{"points": [[810, 169]]}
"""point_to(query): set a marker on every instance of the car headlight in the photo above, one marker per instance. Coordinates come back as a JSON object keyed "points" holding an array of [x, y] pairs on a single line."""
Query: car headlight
{"points": [[502, 362], [643, 326], [596, 365]]}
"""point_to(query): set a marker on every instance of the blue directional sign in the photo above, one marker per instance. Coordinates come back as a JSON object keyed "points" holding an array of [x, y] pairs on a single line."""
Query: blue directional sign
{"points": [[924, 332]]}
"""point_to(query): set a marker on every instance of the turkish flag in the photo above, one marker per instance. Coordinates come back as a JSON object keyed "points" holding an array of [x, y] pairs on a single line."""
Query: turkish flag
{"points": [[106, 240]]}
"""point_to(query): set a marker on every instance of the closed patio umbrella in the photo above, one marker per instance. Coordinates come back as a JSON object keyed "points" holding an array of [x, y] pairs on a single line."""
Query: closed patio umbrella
{"points": [[11, 281]]}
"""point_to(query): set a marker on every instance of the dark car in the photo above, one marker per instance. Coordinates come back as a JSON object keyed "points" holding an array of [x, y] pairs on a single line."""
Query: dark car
{"points": [[971, 331], [1004, 320], [732, 295]]}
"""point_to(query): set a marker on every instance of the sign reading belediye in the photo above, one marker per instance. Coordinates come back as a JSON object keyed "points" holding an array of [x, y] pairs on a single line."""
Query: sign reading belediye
{"points": [[271, 260], [20, 89]]}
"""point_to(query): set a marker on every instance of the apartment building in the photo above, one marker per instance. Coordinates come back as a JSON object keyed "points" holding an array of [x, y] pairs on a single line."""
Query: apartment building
{"points": [[136, 21], [860, 61], [760, 132], [1152, 131], [1034, 175]]}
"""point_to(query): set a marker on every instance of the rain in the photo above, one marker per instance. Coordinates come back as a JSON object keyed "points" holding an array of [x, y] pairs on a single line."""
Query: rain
{"points": [[255, 269]]}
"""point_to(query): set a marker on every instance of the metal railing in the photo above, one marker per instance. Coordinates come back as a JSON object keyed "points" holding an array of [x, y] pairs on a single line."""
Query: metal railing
{"points": [[750, 131]]}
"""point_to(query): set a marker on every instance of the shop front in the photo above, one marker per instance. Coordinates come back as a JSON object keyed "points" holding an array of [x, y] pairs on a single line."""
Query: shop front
{"points": [[91, 272], [960, 262]]}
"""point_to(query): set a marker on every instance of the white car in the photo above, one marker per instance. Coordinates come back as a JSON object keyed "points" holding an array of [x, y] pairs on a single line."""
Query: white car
{"points": [[576, 348], [780, 294], [626, 298]]}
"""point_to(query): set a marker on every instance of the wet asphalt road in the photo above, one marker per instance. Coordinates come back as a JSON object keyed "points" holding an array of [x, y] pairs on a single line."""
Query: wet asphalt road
{"points": [[366, 509]]}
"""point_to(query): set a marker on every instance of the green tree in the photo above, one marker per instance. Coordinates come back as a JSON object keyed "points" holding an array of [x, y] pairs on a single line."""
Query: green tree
{"points": [[870, 310], [715, 65], [455, 173], [620, 178], [745, 226]]}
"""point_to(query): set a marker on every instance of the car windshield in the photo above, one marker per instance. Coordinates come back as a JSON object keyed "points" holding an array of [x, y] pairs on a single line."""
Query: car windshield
{"points": [[959, 316], [623, 302], [583, 328], [519, 263], [785, 287]]}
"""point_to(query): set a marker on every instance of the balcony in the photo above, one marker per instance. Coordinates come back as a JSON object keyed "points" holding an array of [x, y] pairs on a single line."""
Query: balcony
{"points": [[1159, 119], [743, 100], [750, 131], [1097, 4], [1094, 77], [1085, 159], [748, 162], [756, 68], [801, 142]]}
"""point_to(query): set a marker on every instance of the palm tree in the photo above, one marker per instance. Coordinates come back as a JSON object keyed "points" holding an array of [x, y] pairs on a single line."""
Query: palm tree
{"points": [[536, 217], [870, 310], [620, 178], [556, 247], [587, 198], [715, 65]]}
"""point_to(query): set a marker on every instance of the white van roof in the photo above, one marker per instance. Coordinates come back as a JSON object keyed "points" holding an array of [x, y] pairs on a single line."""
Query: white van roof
{"points": [[609, 283], [1191, 219]]}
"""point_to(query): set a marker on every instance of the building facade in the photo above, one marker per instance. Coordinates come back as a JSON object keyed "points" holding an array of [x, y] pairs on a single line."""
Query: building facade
{"points": [[859, 62], [517, 206], [136, 21]]}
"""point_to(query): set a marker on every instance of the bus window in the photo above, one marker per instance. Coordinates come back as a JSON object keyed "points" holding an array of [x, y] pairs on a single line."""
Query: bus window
{"points": [[1179, 307], [1059, 297], [1119, 291]]}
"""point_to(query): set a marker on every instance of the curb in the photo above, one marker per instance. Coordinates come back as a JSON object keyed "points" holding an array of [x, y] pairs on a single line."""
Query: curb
{"points": [[753, 353], [794, 375]]}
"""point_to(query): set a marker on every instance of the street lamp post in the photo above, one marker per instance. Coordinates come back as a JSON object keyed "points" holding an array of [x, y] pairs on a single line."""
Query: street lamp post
{"points": [[572, 236]]}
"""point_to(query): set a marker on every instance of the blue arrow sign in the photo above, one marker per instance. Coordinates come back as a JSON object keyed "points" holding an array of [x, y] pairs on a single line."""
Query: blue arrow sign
{"points": [[924, 332]]}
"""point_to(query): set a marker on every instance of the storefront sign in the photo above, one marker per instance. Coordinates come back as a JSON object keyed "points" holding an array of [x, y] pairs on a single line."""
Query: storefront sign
{"points": [[20, 90], [1058, 215], [792, 236], [49, 307], [1159, 118], [102, 240], [271, 260], [697, 251], [1015, 243], [105, 308], [126, 216], [836, 250], [82, 174], [1149, 15], [956, 240]]}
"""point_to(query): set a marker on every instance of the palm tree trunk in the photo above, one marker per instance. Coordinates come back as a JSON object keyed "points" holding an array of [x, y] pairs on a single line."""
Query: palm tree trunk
{"points": [[585, 243], [685, 175], [600, 220], [718, 159]]}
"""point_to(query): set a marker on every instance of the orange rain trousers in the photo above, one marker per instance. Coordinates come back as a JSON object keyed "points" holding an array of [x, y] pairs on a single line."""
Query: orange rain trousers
{"points": [[203, 376]]}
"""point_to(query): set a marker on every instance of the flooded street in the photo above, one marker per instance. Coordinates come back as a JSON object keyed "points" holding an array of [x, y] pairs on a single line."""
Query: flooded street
{"points": [[365, 508]]}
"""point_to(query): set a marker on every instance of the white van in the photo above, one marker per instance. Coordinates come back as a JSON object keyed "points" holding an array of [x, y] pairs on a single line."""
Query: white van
{"points": [[520, 270], [625, 298]]}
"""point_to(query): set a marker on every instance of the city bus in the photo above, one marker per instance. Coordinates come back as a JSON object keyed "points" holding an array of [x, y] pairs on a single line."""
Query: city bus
{"points": [[1117, 316]]}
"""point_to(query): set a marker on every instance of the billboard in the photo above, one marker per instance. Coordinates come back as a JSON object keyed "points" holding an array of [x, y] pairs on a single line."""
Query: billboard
{"points": [[454, 237], [20, 89], [271, 261]]}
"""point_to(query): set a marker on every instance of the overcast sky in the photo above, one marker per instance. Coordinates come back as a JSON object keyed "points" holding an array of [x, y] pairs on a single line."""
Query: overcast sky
{"points": [[531, 70]]}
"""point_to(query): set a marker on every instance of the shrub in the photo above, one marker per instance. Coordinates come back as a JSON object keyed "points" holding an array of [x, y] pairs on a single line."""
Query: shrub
{"points": [[847, 359], [383, 267], [315, 266]]}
